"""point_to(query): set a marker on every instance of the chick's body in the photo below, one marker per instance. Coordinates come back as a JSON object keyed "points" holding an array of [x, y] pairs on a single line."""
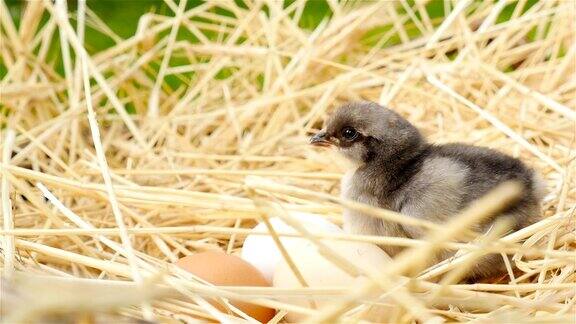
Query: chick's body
{"points": [[398, 170]]}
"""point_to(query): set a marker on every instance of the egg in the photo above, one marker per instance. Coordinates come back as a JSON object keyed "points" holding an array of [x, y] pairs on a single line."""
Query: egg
{"points": [[221, 269], [262, 252], [319, 272]]}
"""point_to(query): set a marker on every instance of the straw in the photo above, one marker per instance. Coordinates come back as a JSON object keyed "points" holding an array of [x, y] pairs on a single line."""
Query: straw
{"points": [[117, 162], [7, 217]]}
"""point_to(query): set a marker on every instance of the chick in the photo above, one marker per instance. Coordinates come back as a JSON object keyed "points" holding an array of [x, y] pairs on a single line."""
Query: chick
{"points": [[397, 169]]}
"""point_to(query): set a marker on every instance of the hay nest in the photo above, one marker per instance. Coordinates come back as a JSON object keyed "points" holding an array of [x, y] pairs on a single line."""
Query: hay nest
{"points": [[159, 147]]}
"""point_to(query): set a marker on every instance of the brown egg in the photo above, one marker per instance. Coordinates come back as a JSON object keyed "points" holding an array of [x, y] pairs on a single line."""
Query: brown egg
{"points": [[221, 269]]}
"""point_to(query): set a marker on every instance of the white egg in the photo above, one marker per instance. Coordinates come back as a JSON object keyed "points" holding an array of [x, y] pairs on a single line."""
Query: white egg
{"points": [[262, 252], [318, 271]]}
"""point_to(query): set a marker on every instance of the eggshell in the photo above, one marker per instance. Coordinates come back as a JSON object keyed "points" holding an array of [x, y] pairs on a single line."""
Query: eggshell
{"points": [[262, 252], [221, 269], [319, 272]]}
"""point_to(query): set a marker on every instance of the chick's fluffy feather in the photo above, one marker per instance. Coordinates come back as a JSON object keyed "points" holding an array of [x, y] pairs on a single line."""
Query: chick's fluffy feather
{"points": [[398, 170]]}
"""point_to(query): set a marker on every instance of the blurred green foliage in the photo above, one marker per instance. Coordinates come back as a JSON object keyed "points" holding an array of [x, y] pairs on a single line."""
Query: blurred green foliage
{"points": [[122, 16]]}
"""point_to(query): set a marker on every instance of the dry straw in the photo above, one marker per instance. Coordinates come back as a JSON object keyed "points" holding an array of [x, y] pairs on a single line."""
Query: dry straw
{"points": [[159, 147]]}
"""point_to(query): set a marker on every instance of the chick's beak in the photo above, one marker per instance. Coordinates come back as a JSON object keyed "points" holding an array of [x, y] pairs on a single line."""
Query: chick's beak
{"points": [[321, 139]]}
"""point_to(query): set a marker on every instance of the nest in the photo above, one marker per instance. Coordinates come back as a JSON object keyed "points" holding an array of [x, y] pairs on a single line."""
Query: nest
{"points": [[161, 146]]}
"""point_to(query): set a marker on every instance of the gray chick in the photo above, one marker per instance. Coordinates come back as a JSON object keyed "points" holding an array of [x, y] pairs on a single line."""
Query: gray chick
{"points": [[397, 169]]}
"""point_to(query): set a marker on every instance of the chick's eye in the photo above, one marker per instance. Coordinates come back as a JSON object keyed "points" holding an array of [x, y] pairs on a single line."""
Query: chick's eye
{"points": [[349, 133]]}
